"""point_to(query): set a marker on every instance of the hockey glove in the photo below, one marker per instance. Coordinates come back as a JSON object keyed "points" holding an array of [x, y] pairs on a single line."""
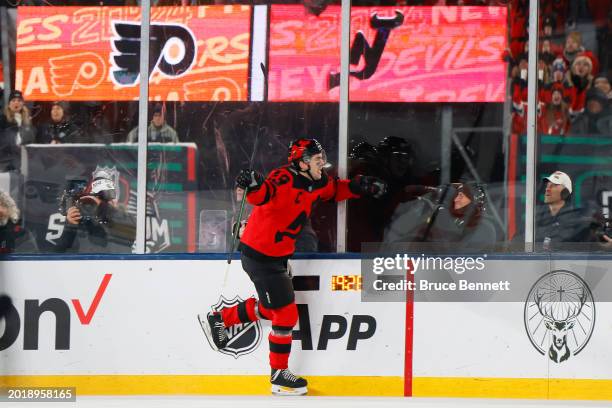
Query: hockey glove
{"points": [[368, 186], [237, 231], [249, 179]]}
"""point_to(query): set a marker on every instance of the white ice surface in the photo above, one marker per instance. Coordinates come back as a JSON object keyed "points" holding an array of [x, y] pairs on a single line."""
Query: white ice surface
{"points": [[298, 402]]}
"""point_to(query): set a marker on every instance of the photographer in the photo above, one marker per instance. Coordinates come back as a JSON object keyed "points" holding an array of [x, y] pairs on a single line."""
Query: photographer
{"points": [[463, 221], [95, 223], [601, 231]]}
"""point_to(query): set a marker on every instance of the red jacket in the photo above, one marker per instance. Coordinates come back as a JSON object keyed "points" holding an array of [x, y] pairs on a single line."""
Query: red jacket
{"points": [[553, 123], [283, 204]]}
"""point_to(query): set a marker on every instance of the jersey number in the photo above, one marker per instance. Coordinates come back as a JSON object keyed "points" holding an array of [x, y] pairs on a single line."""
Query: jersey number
{"points": [[279, 178], [293, 229], [55, 229]]}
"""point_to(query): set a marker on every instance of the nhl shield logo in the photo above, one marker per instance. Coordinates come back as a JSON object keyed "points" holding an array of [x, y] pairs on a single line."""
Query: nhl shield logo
{"points": [[559, 315], [243, 338]]}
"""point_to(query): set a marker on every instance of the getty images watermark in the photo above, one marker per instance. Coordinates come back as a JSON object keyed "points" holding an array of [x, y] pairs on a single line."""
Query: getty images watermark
{"points": [[418, 272], [411, 265], [425, 273]]}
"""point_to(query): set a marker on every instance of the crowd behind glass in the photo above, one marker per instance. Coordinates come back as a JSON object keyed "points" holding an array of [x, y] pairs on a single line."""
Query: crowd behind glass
{"points": [[574, 93]]}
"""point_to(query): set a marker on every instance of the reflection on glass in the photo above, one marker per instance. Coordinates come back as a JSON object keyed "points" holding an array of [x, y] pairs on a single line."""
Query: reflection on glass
{"points": [[231, 136], [236, 96], [61, 161], [438, 98], [574, 126], [428, 118]]}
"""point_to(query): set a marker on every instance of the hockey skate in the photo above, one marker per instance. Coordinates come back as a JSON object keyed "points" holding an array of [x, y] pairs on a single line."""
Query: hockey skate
{"points": [[214, 329], [284, 382]]}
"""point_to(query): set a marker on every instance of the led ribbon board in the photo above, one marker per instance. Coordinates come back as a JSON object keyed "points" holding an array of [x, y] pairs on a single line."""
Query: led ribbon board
{"points": [[93, 53], [208, 53], [398, 54]]}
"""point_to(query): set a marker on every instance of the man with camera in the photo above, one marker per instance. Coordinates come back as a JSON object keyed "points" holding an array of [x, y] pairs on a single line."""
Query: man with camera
{"points": [[95, 223]]}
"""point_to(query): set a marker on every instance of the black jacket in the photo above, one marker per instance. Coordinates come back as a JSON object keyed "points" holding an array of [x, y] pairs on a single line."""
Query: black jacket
{"points": [[13, 237], [568, 225], [10, 151], [114, 236], [589, 124], [63, 132], [464, 228]]}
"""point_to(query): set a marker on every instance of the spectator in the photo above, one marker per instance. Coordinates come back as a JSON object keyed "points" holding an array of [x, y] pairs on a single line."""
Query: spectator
{"points": [[546, 53], [554, 118], [602, 83], [557, 220], [519, 93], [467, 210], [15, 130], [95, 222], [519, 97], [158, 130], [601, 231], [543, 73], [60, 129], [12, 235], [518, 26], [558, 70], [555, 10], [596, 120], [548, 26], [578, 80], [91, 118], [573, 47], [465, 222]]}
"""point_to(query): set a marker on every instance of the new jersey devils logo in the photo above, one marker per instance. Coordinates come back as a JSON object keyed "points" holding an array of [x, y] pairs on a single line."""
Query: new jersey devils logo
{"points": [[371, 53], [243, 338], [172, 51]]}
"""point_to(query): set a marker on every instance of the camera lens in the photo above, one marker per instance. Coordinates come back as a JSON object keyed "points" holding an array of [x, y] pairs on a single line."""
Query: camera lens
{"points": [[88, 208]]}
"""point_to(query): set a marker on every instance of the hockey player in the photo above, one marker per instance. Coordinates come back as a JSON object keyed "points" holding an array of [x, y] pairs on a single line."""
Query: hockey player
{"points": [[283, 203]]}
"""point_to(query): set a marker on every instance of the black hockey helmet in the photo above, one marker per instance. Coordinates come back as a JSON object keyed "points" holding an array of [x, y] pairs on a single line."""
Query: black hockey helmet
{"points": [[363, 151], [394, 145], [303, 149]]}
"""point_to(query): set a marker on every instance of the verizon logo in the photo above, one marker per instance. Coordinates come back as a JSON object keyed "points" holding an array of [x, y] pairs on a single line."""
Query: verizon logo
{"points": [[85, 310]]}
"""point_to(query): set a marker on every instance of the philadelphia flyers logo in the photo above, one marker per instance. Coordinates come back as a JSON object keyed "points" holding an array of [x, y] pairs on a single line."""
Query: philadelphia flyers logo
{"points": [[71, 72], [172, 51]]}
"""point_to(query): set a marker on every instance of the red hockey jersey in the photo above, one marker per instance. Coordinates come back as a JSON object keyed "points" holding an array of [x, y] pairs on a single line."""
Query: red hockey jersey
{"points": [[283, 204]]}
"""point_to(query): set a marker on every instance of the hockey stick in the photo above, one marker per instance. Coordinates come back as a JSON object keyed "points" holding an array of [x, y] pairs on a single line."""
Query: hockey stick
{"points": [[242, 202], [236, 231]]}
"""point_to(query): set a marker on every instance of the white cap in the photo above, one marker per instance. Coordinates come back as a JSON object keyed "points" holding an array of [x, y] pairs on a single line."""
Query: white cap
{"points": [[559, 177], [102, 181], [100, 185]]}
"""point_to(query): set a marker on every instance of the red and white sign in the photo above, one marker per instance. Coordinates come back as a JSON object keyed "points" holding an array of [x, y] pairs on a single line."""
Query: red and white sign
{"points": [[93, 53], [398, 54], [208, 53]]}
